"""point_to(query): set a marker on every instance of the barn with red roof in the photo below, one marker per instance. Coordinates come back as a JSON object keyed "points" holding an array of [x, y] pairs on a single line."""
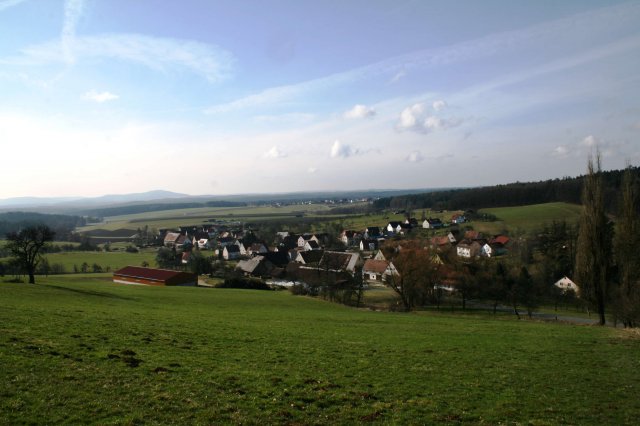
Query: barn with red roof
{"points": [[151, 276]]}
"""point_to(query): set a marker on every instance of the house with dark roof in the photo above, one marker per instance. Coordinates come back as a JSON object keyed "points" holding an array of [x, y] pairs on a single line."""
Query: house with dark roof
{"points": [[372, 232], [339, 261], [257, 248], [258, 266], [231, 252], [311, 257], [350, 238], [393, 227], [150, 276], [369, 245], [311, 245], [432, 223], [304, 238], [278, 258]]}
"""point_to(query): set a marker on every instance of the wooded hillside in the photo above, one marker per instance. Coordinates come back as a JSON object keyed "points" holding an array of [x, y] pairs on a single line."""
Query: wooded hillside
{"points": [[567, 189]]}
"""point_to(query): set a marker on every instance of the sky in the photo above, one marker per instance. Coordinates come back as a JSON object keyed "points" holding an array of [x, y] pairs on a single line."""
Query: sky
{"points": [[226, 97]]}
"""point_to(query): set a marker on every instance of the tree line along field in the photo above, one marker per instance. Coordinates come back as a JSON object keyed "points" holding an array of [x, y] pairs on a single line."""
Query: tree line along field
{"points": [[80, 349]]}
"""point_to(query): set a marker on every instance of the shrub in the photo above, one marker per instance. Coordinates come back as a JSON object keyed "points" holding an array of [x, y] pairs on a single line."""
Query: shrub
{"points": [[299, 290], [131, 249], [244, 283]]}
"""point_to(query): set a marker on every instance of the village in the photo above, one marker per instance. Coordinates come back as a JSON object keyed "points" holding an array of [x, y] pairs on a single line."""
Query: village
{"points": [[322, 259]]}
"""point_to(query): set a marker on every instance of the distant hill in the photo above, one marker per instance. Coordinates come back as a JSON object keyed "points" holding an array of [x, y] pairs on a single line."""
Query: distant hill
{"points": [[114, 204], [70, 204]]}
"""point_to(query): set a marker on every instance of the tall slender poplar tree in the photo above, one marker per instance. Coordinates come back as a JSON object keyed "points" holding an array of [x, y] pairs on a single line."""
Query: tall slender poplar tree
{"points": [[592, 254], [627, 239]]}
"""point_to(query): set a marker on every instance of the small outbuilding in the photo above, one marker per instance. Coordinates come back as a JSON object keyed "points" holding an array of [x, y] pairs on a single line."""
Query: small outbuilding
{"points": [[151, 276]]}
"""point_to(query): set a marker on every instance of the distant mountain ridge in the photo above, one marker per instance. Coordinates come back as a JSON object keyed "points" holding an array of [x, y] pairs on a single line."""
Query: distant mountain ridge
{"points": [[33, 202], [88, 205]]}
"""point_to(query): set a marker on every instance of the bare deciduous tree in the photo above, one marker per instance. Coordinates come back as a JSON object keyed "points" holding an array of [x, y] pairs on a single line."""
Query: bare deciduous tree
{"points": [[26, 247]]}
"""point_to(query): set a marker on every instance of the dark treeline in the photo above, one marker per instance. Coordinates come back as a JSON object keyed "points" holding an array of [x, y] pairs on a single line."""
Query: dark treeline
{"points": [[154, 207], [514, 194], [62, 225]]}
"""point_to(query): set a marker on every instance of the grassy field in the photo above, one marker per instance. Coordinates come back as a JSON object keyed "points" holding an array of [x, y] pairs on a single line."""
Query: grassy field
{"points": [[528, 218], [196, 216], [114, 259], [84, 350]]}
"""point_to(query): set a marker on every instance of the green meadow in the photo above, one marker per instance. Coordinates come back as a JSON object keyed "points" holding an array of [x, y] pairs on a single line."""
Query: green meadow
{"points": [[80, 349], [196, 216], [113, 259], [528, 219]]}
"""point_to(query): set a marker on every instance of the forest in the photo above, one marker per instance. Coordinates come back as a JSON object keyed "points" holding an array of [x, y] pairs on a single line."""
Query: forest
{"points": [[567, 189], [62, 225]]}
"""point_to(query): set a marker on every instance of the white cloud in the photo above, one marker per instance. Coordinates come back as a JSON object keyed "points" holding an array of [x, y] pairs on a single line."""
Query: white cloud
{"points": [[560, 151], [360, 111], [590, 141], [92, 95], [409, 116], [340, 150], [161, 54], [439, 105], [414, 118], [275, 152], [9, 3], [312, 170], [415, 157]]}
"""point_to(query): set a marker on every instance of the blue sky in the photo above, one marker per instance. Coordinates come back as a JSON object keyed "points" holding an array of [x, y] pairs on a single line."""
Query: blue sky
{"points": [[201, 97]]}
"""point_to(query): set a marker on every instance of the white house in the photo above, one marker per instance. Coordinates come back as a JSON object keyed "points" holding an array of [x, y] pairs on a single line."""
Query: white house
{"points": [[307, 237], [394, 227], [377, 270], [565, 284], [468, 249]]}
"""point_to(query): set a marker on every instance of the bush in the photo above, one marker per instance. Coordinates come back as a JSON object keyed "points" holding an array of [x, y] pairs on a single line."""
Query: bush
{"points": [[131, 249], [244, 283], [299, 290]]}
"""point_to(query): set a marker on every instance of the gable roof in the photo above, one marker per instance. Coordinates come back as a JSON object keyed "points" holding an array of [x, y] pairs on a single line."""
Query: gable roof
{"points": [[313, 244], [250, 265], [311, 256], [171, 237], [339, 261], [232, 248], [148, 273], [500, 239], [377, 266], [472, 235]]}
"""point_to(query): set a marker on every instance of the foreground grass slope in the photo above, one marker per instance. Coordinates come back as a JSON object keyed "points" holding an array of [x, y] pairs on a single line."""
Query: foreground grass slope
{"points": [[84, 350]]}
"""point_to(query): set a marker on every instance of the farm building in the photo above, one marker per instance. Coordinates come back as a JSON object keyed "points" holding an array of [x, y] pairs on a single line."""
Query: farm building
{"points": [[151, 276]]}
